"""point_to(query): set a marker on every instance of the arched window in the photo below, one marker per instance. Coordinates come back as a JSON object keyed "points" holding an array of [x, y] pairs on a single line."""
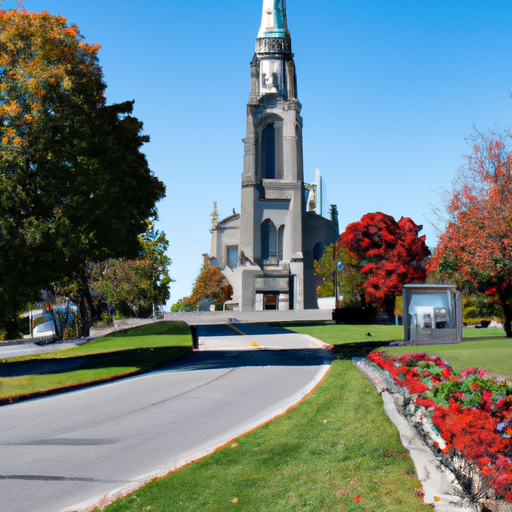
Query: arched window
{"points": [[318, 251], [280, 243], [268, 241], [272, 242], [269, 152]]}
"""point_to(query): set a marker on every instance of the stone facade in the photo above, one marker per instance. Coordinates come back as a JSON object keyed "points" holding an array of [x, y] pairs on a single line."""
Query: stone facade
{"points": [[267, 251]]}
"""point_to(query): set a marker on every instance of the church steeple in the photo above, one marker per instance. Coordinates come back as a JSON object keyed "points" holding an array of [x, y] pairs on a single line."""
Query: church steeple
{"points": [[274, 238], [273, 69]]}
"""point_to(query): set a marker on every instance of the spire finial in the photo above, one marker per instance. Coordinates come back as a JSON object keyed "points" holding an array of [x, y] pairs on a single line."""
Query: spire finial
{"points": [[273, 19]]}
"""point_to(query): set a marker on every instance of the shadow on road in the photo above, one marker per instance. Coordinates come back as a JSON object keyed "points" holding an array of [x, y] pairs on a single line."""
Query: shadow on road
{"points": [[221, 359], [168, 359], [359, 349], [143, 359]]}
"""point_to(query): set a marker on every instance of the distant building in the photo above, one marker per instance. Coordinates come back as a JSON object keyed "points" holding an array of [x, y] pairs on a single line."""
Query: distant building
{"points": [[267, 251]]}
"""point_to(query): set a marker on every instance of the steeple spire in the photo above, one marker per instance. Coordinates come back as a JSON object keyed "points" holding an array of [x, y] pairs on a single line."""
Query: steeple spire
{"points": [[273, 69], [273, 36], [273, 19]]}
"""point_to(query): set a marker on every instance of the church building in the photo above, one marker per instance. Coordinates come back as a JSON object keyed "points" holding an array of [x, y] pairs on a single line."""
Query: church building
{"points": [[267, 251]]}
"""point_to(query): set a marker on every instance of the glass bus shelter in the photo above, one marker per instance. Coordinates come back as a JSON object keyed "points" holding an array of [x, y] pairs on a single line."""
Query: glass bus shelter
{"points": [[432, 313]]}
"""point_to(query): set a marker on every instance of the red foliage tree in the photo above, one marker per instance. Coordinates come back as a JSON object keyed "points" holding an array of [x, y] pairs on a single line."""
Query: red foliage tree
{"points": [[391, 253], [476, 245]]}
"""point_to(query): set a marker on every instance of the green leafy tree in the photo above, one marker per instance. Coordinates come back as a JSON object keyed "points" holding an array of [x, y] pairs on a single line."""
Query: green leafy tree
{"points": [[324, 270], [74, 184], [135, 287], [349, 278], [476, 305]]}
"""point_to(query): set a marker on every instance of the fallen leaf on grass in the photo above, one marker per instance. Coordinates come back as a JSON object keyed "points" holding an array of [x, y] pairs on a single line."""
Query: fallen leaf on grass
{"points": [[357, 499], [419, 492], [234, 500], [234, 445]]}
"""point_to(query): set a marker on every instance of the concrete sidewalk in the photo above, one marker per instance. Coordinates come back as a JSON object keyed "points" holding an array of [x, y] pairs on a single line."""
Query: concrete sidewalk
{"points": [[267, 316], [240, 336]]}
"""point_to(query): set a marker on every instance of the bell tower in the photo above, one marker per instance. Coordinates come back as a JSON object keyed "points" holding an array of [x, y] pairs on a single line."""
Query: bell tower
{"points": [[272, 179], [277, 237]]}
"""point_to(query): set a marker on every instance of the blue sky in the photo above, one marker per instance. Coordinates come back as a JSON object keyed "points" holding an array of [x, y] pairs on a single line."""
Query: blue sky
{"points": [[390, 90]]}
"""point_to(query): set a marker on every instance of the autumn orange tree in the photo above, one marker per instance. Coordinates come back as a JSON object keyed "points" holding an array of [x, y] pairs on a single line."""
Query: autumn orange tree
{"points": [[74, 185], [389, 253], [209, 284], [476, 246]]}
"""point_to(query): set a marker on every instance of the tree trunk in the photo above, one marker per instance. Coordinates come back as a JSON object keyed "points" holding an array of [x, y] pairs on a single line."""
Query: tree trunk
{"points": [[84, 316], [12, 330], [508, 322], [507, 311], [508, 329], [58, 334], [87, 309], [389, 306]]}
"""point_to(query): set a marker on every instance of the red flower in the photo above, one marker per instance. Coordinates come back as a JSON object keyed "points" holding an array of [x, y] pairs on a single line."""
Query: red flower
{"points": [[425, 402]]}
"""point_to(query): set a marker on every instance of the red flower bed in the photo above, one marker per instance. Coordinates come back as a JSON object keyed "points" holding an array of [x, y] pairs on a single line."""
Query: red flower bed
{"points": [[471, 410]]}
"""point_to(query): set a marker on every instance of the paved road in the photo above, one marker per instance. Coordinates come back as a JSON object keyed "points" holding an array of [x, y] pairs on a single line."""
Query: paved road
{"points": [[243, 336], [67, 452]]}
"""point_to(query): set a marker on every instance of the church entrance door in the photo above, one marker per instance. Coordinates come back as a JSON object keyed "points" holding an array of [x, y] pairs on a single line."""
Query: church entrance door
{"points": [[270, 301]]}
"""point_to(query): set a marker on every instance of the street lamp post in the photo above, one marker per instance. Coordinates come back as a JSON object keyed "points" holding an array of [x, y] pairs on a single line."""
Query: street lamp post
{"points": [[339, 268], [335, 277]]}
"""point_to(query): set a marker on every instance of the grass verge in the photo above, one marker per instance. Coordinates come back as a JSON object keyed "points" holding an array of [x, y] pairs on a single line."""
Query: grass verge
{"points": [[343, 334], [485, 348], [125, 353], [335, 451]]}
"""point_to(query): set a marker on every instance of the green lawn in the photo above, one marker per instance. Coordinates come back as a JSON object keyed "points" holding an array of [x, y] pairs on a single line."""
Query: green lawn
{"points": [[341, 334], [491, 332], [117, 355], [335, 446], [485, 348]]}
